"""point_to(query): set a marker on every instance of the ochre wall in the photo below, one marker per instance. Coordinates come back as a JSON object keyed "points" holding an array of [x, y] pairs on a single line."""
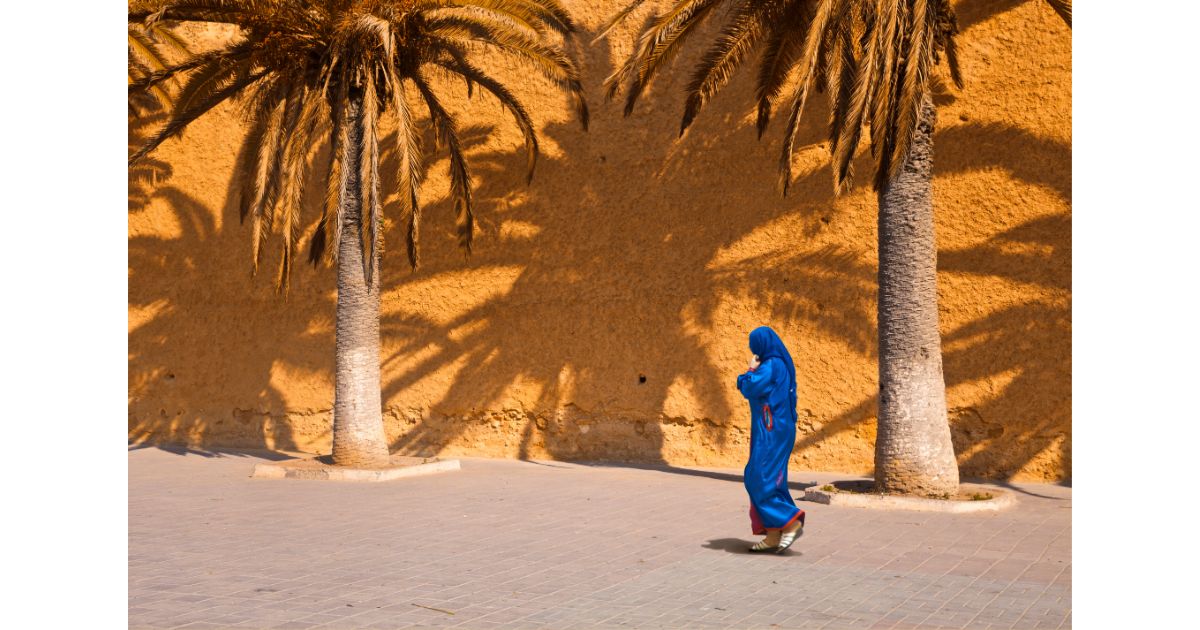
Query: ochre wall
{"points": [[634, 254]]}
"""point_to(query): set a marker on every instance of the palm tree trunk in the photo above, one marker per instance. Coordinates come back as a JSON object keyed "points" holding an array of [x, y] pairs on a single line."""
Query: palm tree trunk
{"points": [[358, 437], [913, 451]]}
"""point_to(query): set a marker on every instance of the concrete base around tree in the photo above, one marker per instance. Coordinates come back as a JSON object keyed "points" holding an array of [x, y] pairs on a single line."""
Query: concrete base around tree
{"points": [[323, 469], [971, 498]]}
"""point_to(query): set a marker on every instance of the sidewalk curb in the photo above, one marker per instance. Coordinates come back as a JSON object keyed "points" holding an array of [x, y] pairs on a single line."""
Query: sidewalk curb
{"points": [[310, 469], [1001, 499]]}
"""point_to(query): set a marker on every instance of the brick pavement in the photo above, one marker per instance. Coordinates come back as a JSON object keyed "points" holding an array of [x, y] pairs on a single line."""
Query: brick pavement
{"points": [[507, 544]]}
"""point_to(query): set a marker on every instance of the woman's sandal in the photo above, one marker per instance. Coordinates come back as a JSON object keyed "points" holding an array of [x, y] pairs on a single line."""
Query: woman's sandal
{"points": [[787, 538], [761, 546]]}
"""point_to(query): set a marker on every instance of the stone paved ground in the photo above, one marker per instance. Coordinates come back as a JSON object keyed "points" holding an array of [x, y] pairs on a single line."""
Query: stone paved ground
{"points": [[507, 544]]}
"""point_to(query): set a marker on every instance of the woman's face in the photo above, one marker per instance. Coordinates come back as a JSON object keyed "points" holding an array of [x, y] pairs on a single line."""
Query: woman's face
{"points": [[758, 341]]}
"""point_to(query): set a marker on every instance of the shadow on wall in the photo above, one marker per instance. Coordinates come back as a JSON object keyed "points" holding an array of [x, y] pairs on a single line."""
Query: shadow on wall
{"points": [[200, 331], [593, 299]]}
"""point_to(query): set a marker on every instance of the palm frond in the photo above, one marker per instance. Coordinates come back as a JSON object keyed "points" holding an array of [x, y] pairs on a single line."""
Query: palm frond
{"points": [[460, 176], [293, 105], [840, 80], [295, 166], [780, 51], [373, 27], [328, 235], [263, 131], [155, 78], [173, 41], [562, 20], [538, 17], [207, 78], [146, 48], [408, 177], [304, 69], [945, 30], [146, 60], [656, 47], [807, 64], [865, 78], [487, 26], [461, 66], [889, 34], [260, 200], [913, 76], [555, 65], [551, 13], [1062, 8], [617, 18], [874, 59], [238, 12], [744, 29], [181, 118], [370, 227]]}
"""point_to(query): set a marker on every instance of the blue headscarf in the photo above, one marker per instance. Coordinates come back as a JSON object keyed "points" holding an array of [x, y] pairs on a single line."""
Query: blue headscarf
{"points": [[766, 344]]}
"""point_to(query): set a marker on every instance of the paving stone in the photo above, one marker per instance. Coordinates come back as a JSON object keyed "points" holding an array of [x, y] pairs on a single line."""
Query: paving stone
{"points": [[515, 544]]}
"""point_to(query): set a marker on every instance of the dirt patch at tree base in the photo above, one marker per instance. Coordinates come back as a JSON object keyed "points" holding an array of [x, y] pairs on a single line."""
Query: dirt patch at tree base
{"points": [[862, 493]]}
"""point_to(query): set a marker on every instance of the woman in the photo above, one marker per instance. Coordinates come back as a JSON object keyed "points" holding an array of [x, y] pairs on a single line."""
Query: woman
{"points": [[770, 386]]}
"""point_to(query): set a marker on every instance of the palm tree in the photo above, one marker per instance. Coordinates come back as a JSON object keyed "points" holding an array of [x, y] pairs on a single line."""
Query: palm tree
{"points": [[874, 60], [307, 71]]}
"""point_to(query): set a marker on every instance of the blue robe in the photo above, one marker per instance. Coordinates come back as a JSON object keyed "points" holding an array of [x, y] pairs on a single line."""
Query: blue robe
{"points": [[771, 391]]}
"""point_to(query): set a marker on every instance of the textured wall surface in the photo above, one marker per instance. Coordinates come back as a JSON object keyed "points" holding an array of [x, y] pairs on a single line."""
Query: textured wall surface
{"points": [[605, 310]]}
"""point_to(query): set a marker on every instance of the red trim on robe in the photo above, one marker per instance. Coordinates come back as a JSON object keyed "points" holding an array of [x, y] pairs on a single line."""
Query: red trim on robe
{"points": [[757, 528], [756, 524]]}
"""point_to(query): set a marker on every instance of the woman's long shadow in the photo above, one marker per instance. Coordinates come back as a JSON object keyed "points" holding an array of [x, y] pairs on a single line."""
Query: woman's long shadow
{"points": [[742, 547], [693, 472]]}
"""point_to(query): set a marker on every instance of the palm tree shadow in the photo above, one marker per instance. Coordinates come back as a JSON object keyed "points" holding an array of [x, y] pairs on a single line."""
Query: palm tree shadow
{"points": [[210, 452], [1043, 162], [562, 303], [1016, 360], [571, 360], [974, 12], [211, 369], [145, 176], [535, 335], [1026, 423]]}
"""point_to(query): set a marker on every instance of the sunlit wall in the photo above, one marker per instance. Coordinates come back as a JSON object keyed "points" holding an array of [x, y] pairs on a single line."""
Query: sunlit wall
{"points": [[604, 312]]}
